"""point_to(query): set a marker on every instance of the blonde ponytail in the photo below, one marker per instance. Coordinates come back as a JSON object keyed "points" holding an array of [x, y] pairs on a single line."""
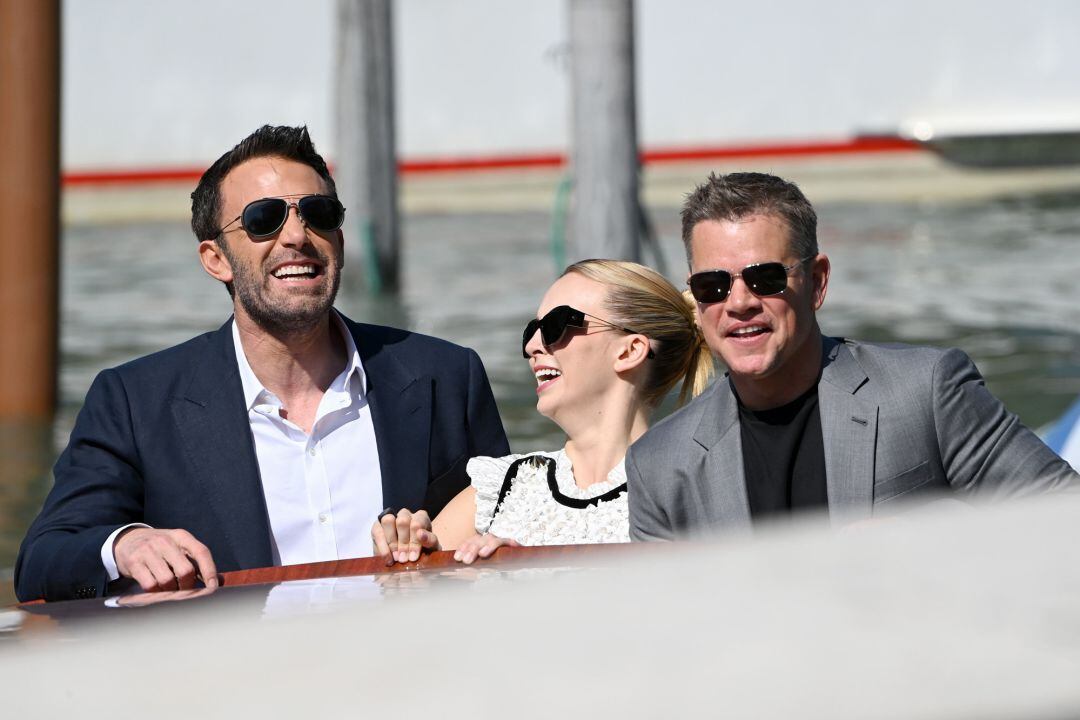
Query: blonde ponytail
{"points": [[701, 367], [643, 299]]}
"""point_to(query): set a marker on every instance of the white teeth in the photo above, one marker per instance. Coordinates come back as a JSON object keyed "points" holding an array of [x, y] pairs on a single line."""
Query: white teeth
{"points": [[544, 374], [294, 270], [748, 330]]}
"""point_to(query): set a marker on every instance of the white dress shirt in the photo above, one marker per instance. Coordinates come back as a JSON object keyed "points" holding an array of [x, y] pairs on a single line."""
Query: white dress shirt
{"points": [[324, 490]]}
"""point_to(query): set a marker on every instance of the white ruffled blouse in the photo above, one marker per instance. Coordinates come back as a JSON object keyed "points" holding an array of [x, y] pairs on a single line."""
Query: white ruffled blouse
{"points": [[542, 504]]}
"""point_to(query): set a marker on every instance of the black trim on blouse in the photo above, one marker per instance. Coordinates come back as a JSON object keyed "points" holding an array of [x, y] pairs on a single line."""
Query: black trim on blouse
{"points": [[553, 486]]}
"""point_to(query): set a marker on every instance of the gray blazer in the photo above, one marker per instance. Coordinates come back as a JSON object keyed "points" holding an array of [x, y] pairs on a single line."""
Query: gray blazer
{"points": [[897, 421]]}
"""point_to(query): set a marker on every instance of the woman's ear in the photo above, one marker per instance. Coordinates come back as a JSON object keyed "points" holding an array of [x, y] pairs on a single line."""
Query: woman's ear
{"points": [[633, 351], [214, 261]]}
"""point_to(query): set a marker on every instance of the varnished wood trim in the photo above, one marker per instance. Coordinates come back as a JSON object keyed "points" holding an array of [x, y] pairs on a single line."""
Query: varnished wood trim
{"points": [[571, 554]]}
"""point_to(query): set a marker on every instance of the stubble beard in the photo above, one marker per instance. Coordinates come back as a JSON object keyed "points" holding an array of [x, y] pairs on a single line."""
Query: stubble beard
{"points": [[301, 313]]}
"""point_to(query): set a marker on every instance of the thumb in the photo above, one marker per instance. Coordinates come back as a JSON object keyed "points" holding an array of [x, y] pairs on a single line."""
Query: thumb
{"points": [[428, 540]]}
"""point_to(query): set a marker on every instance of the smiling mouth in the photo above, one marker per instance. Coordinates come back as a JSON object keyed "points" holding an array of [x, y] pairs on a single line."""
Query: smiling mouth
{"points": [[749, 331], [298, 272], [546, 375]]}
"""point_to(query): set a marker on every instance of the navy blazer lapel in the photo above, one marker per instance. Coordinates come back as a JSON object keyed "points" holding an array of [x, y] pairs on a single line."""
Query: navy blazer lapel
{"points": [[400, 401], [723, 477], [212, 423], [849, 433]]}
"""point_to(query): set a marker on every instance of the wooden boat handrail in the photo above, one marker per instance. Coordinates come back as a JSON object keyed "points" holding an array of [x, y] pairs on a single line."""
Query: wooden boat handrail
{"points": [[443, 559], [574, 555]]}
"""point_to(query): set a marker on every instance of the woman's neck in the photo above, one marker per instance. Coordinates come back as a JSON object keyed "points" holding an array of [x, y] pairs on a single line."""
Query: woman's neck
{"points": [[599, 445]]}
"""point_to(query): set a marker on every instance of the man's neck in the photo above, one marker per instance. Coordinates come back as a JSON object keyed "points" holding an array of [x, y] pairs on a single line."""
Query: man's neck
{"points": [[293, 364], [786, 383]]}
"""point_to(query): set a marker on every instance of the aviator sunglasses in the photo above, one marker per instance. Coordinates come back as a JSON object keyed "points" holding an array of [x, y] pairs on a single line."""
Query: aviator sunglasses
{"points": [[265, 217], [763, 279], [554, 324]]}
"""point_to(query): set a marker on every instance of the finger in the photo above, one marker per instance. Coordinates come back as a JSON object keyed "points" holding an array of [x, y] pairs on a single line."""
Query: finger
{"points": [[169, 545], [421, 519], [468, 551], [162, 572], [389, 528], [416, 533], [428, 540], [142, 575], [204, 561], [378, 540], [182, 569], [175, 556], [459, 553], [491, 544], [466, 548], [402, 524]]}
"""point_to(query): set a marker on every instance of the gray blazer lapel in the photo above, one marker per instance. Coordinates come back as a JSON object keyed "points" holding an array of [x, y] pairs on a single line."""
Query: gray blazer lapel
{"points": [[212, 424], [723, 480], [849, 433]]}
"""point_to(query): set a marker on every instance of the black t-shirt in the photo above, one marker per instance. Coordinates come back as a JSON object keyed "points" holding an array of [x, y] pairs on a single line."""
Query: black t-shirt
{"points": [[784, 457]]}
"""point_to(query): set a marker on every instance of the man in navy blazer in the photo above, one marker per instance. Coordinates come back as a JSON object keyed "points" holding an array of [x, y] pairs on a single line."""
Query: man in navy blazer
{"points": [[277, 437]]}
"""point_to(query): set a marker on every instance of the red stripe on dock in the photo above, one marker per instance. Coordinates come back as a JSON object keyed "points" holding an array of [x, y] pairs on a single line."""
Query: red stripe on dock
{"points": [[842, 147], [422, 166], [494, 162], [130, 177]]}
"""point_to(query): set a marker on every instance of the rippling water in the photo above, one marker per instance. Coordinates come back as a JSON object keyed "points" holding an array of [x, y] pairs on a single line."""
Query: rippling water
{"points": [[996, 278]]}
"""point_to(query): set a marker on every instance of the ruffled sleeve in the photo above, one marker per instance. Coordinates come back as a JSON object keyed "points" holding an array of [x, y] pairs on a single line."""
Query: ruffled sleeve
{"points": [[486, 475]]}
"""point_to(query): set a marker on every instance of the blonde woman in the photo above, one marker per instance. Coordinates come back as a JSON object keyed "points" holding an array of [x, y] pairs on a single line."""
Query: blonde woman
{"points": [[609, 342]]}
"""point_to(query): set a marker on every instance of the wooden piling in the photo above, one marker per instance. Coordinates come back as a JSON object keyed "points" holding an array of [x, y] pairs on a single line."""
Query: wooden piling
{"points": [[29, 186], [366, 151], [605, 215]]}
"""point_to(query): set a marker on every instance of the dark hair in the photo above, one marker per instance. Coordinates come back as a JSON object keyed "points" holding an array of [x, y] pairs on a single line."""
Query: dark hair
{"points": [[290, 143], [739, 195]]}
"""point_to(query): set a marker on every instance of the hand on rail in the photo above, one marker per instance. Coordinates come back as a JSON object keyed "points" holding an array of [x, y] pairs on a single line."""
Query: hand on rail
{"points": [[402, 537], [163, 559], [481, 546]]}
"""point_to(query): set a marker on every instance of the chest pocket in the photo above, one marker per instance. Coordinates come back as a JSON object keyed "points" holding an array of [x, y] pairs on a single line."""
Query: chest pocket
{"points": [[903, 484]]}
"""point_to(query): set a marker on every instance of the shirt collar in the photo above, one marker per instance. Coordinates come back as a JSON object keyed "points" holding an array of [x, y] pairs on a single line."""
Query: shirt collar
{"points": [[255, 392]]}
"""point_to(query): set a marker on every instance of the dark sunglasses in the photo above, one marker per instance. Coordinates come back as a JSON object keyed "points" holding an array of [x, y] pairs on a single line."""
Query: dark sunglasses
{"points": [[763, 279], [554, 324], [264, 218]]}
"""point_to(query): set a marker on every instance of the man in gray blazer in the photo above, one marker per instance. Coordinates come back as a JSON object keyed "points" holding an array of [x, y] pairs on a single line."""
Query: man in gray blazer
{"points": [[804, 421]]}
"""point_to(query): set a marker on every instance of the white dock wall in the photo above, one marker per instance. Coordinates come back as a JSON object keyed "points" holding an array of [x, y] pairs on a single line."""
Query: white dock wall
{"points": [[155, 84]]}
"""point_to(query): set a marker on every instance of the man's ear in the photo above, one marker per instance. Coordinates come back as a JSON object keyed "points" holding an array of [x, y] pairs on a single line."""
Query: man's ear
{"points": [[341, 249], [819, 273], [214, 261], [632, 352]]}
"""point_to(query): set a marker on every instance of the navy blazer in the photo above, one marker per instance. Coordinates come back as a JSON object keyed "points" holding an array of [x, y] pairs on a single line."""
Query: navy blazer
{"points": [[165, 440]]}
